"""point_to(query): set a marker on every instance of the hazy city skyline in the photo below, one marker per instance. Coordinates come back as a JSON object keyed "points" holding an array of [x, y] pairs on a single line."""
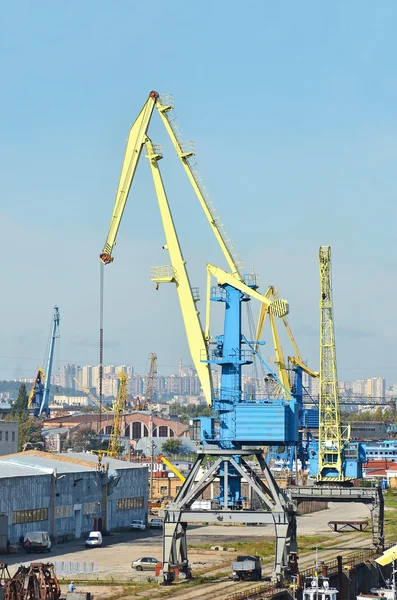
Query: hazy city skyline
{"points": [[185, 382]]}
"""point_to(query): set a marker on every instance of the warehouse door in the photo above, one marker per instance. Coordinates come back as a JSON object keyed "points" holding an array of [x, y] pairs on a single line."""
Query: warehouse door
{"points": [[109, 516], [77, 523], [3, 532]]}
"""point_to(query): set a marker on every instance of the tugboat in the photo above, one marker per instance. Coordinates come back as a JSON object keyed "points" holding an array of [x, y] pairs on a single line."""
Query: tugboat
{"points": [[318, 588]]}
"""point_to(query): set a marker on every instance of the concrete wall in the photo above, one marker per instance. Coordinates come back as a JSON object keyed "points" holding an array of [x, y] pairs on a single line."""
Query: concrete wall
{"points": [[8, 437]]}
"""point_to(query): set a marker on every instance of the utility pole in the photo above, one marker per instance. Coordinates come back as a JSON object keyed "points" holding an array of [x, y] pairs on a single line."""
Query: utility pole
{"points": [[151, 453]]}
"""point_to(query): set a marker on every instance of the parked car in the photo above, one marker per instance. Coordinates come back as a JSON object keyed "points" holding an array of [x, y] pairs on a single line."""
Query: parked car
{"points": [[147, 563], [94, 540], [138, 525], [156, 523], [36, 541]]}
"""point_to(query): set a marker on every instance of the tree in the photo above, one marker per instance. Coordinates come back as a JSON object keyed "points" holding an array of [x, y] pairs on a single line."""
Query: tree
{"points": [[19, 408], [172, 446], [29, 430], [84, 439], [190, 411]]}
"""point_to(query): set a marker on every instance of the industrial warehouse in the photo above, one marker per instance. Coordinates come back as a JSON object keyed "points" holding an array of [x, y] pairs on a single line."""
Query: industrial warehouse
{"points": [[68, 495]]}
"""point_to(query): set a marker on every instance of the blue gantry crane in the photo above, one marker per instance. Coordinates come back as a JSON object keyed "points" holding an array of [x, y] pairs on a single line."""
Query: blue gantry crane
{"points": [[240, 424]]}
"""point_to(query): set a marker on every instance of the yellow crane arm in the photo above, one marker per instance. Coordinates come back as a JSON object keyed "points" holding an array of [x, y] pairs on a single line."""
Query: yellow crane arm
{"points": [[179, 276], [33, 388], [136, 139], [295, 361], [264, 309], [185, 155], [172, 468], [278, 308], [282, 369], [91, 396]]}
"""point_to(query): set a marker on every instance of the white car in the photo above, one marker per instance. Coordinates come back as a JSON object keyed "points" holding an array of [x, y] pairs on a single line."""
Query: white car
{"points": [[94, 540], [156, 523], [138, 525]]}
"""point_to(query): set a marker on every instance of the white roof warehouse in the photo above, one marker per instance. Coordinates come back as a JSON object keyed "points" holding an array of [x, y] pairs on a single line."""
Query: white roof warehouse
{"points": [[68, 494]]}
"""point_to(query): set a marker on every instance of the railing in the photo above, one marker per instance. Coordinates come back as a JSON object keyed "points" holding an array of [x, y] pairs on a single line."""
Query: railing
{"points": [[230, 356], [218, 292], [163, 272], [331, 567], [196, 293], [337, 492], [262, 591], [251, 279]]}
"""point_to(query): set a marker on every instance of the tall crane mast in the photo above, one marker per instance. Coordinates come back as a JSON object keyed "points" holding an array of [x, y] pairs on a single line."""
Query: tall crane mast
{"points": [[151, 378], [44, 407], [330, 439], [115, 434]]}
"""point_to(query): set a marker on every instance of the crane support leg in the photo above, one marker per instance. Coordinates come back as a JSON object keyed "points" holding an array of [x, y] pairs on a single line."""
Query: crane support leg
{"points": [[373, 497], [264, 503]]}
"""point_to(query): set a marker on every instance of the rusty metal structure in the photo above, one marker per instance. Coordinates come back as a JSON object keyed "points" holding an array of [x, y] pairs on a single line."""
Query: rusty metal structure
{"points": [[37, 582]]}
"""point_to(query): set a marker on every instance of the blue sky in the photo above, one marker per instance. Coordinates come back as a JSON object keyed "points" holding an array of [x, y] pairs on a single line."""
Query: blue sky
{"points": [[292, 107]]}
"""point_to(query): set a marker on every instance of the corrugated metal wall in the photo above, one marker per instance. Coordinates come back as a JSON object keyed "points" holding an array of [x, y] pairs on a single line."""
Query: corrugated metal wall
{"points": [[73, 501], [24, 493]]}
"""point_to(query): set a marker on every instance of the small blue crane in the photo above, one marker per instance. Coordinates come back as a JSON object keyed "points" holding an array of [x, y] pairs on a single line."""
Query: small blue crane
{"points": [[44, 407], [39, 397]]}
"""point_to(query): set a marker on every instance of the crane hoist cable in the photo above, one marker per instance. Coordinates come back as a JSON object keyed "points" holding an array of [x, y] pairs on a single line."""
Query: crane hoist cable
{"points": [[101, 292]]}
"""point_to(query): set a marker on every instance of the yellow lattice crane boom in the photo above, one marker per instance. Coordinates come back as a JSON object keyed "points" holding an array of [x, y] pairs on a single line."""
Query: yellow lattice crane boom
{"points": [[115, 435], [135, 142], [330, 440], [296, 360]]}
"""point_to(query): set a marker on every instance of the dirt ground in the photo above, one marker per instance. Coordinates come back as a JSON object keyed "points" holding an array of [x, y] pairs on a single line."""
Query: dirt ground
{"points": [[113, 560]]}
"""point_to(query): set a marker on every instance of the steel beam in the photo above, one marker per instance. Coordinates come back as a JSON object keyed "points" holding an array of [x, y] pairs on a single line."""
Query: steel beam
{"points": [[279, 511]]}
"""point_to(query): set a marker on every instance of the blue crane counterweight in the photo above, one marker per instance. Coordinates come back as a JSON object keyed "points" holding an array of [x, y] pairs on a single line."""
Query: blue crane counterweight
{"points": [[240, 419]]}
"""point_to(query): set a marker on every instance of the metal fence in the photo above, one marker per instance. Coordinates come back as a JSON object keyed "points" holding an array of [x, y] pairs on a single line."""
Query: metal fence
{"points": [[65, 567]]}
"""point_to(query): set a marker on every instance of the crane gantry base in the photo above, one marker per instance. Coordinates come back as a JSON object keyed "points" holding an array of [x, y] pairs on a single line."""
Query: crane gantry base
{"points": [[268, 505]]}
